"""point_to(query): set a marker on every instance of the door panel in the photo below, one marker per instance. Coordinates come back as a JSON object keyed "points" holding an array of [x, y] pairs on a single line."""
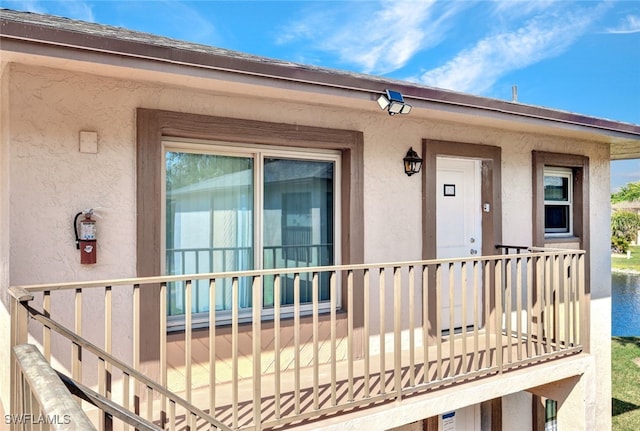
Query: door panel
{"points": [[459, 231]]}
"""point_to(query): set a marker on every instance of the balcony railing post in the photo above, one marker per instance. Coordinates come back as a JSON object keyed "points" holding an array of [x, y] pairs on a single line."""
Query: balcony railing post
{"points": [[235, 348], [530, 287], [519, 307], [585, 311], [315, 294], [350, 307], [104, 370], [463, 294], [257, 352], [188, 322], [383, 329], [397, 331], [566, 293], [296, 341], [556, 290], [539, 310], [426, 327], [499, 307], [438, 319], [136, 352], [46, 331], [76, 350], [508, 309], [366, 296], [276, 343], [488, 307], [575, 295], [212, 346], [19, 333], [452, 315], [477, 297], [412, 327], [333, 286]]}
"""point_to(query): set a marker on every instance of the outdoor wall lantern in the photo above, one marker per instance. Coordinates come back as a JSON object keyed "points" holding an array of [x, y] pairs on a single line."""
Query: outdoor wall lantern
{"points": [[393, 102], [412, 162]]}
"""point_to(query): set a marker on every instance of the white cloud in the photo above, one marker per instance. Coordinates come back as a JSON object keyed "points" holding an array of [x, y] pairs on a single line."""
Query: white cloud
{"points": [[185, 21], [387, 41], [476, 69], [521, 8], [630, 24], [376, 37], [78, 10]]}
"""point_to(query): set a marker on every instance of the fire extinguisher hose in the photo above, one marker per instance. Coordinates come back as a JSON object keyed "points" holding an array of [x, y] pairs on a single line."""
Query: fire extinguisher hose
{"points": [[75, 229]]}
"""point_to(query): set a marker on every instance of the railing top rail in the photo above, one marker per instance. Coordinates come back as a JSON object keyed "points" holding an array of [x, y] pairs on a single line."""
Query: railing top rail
{"points": [[533, 252], [106, 405], [53, 396], [112, 360]]}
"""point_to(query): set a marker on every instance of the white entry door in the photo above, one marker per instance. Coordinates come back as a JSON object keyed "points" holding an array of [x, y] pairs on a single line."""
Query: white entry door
{"points": [[459, 230]]}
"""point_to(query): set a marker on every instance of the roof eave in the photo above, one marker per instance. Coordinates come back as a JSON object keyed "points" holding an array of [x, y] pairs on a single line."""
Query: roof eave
{"points": [[148, 47]]}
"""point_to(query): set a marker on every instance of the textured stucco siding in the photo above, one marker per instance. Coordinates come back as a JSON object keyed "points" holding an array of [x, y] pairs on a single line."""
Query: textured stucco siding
{"points": [[49, 180]]}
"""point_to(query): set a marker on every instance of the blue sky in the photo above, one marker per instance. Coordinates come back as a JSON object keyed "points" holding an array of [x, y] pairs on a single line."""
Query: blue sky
{"points": [[578, 56]]}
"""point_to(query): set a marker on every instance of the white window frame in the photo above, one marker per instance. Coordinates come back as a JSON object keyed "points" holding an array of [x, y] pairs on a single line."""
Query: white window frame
{"points": [[563, 173], [258, 153]]}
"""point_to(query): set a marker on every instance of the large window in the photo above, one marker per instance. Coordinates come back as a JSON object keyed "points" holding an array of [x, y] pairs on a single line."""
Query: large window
{"points": [[558, 201], [234, 208]]}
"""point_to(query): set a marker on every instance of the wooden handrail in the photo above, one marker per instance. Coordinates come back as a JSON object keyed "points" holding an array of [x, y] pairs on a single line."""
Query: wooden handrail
{"points": [[277, 271], [20, 294], [58, 408], [86, 345], [106, 405]]}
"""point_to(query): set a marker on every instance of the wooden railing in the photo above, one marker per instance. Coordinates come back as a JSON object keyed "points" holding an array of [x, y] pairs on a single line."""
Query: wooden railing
{"points": [[402, 328], [41, 400]]}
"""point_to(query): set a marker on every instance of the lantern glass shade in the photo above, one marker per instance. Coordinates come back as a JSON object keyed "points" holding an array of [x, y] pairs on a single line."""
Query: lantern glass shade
{"points": [[412, 162]]}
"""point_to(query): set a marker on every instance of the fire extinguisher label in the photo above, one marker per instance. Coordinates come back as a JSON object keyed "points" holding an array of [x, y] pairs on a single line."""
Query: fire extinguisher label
{"points": [[87, 231]]}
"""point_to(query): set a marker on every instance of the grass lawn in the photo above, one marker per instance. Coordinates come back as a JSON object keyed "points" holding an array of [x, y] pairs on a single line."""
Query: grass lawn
{"points": [[621, 262], [625, 376]]}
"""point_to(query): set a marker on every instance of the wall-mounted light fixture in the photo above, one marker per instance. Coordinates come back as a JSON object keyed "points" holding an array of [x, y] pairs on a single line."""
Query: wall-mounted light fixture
{"points": [[412, 162], [393, 102]]}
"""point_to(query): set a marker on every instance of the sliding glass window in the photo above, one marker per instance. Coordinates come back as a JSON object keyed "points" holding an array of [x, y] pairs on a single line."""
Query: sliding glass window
{"points": [[234, 208]]}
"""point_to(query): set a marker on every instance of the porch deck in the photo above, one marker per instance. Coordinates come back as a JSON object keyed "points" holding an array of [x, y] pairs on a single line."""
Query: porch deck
{"points": [[483, 355]]}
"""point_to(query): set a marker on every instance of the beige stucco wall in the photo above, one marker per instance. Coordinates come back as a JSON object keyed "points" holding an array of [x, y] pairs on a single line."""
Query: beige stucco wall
{"points": [[4, 230], [51, 181]]}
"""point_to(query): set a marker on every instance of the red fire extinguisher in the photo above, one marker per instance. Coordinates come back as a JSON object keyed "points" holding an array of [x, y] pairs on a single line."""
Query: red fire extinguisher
{"points": [[86, 240]]}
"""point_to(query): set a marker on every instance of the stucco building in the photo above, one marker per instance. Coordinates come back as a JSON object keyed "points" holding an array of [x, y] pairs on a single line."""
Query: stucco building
{"points": [[471, 293]]}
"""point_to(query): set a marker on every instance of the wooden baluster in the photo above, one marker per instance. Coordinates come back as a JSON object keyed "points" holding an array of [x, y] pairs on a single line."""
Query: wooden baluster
{"points": [[397, 331], [256, 325], [366, 297]]}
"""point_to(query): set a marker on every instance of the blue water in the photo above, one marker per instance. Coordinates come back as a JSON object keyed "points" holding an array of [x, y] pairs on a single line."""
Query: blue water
{"points": [[625, 305]]}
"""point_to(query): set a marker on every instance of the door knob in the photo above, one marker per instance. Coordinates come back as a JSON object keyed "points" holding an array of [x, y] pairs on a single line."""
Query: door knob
{"points": [[473, 252]]}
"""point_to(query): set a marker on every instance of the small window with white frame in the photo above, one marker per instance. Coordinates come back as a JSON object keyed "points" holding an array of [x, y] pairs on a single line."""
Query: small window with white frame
{"points": [[558, 201]]}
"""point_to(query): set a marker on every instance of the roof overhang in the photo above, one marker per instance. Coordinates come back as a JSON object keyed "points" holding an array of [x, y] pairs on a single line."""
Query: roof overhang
{"points": [[86, 47]]}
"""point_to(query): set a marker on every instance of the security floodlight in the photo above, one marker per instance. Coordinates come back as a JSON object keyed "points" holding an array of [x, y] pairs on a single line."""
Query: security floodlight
{"points": [[393, 102]]}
